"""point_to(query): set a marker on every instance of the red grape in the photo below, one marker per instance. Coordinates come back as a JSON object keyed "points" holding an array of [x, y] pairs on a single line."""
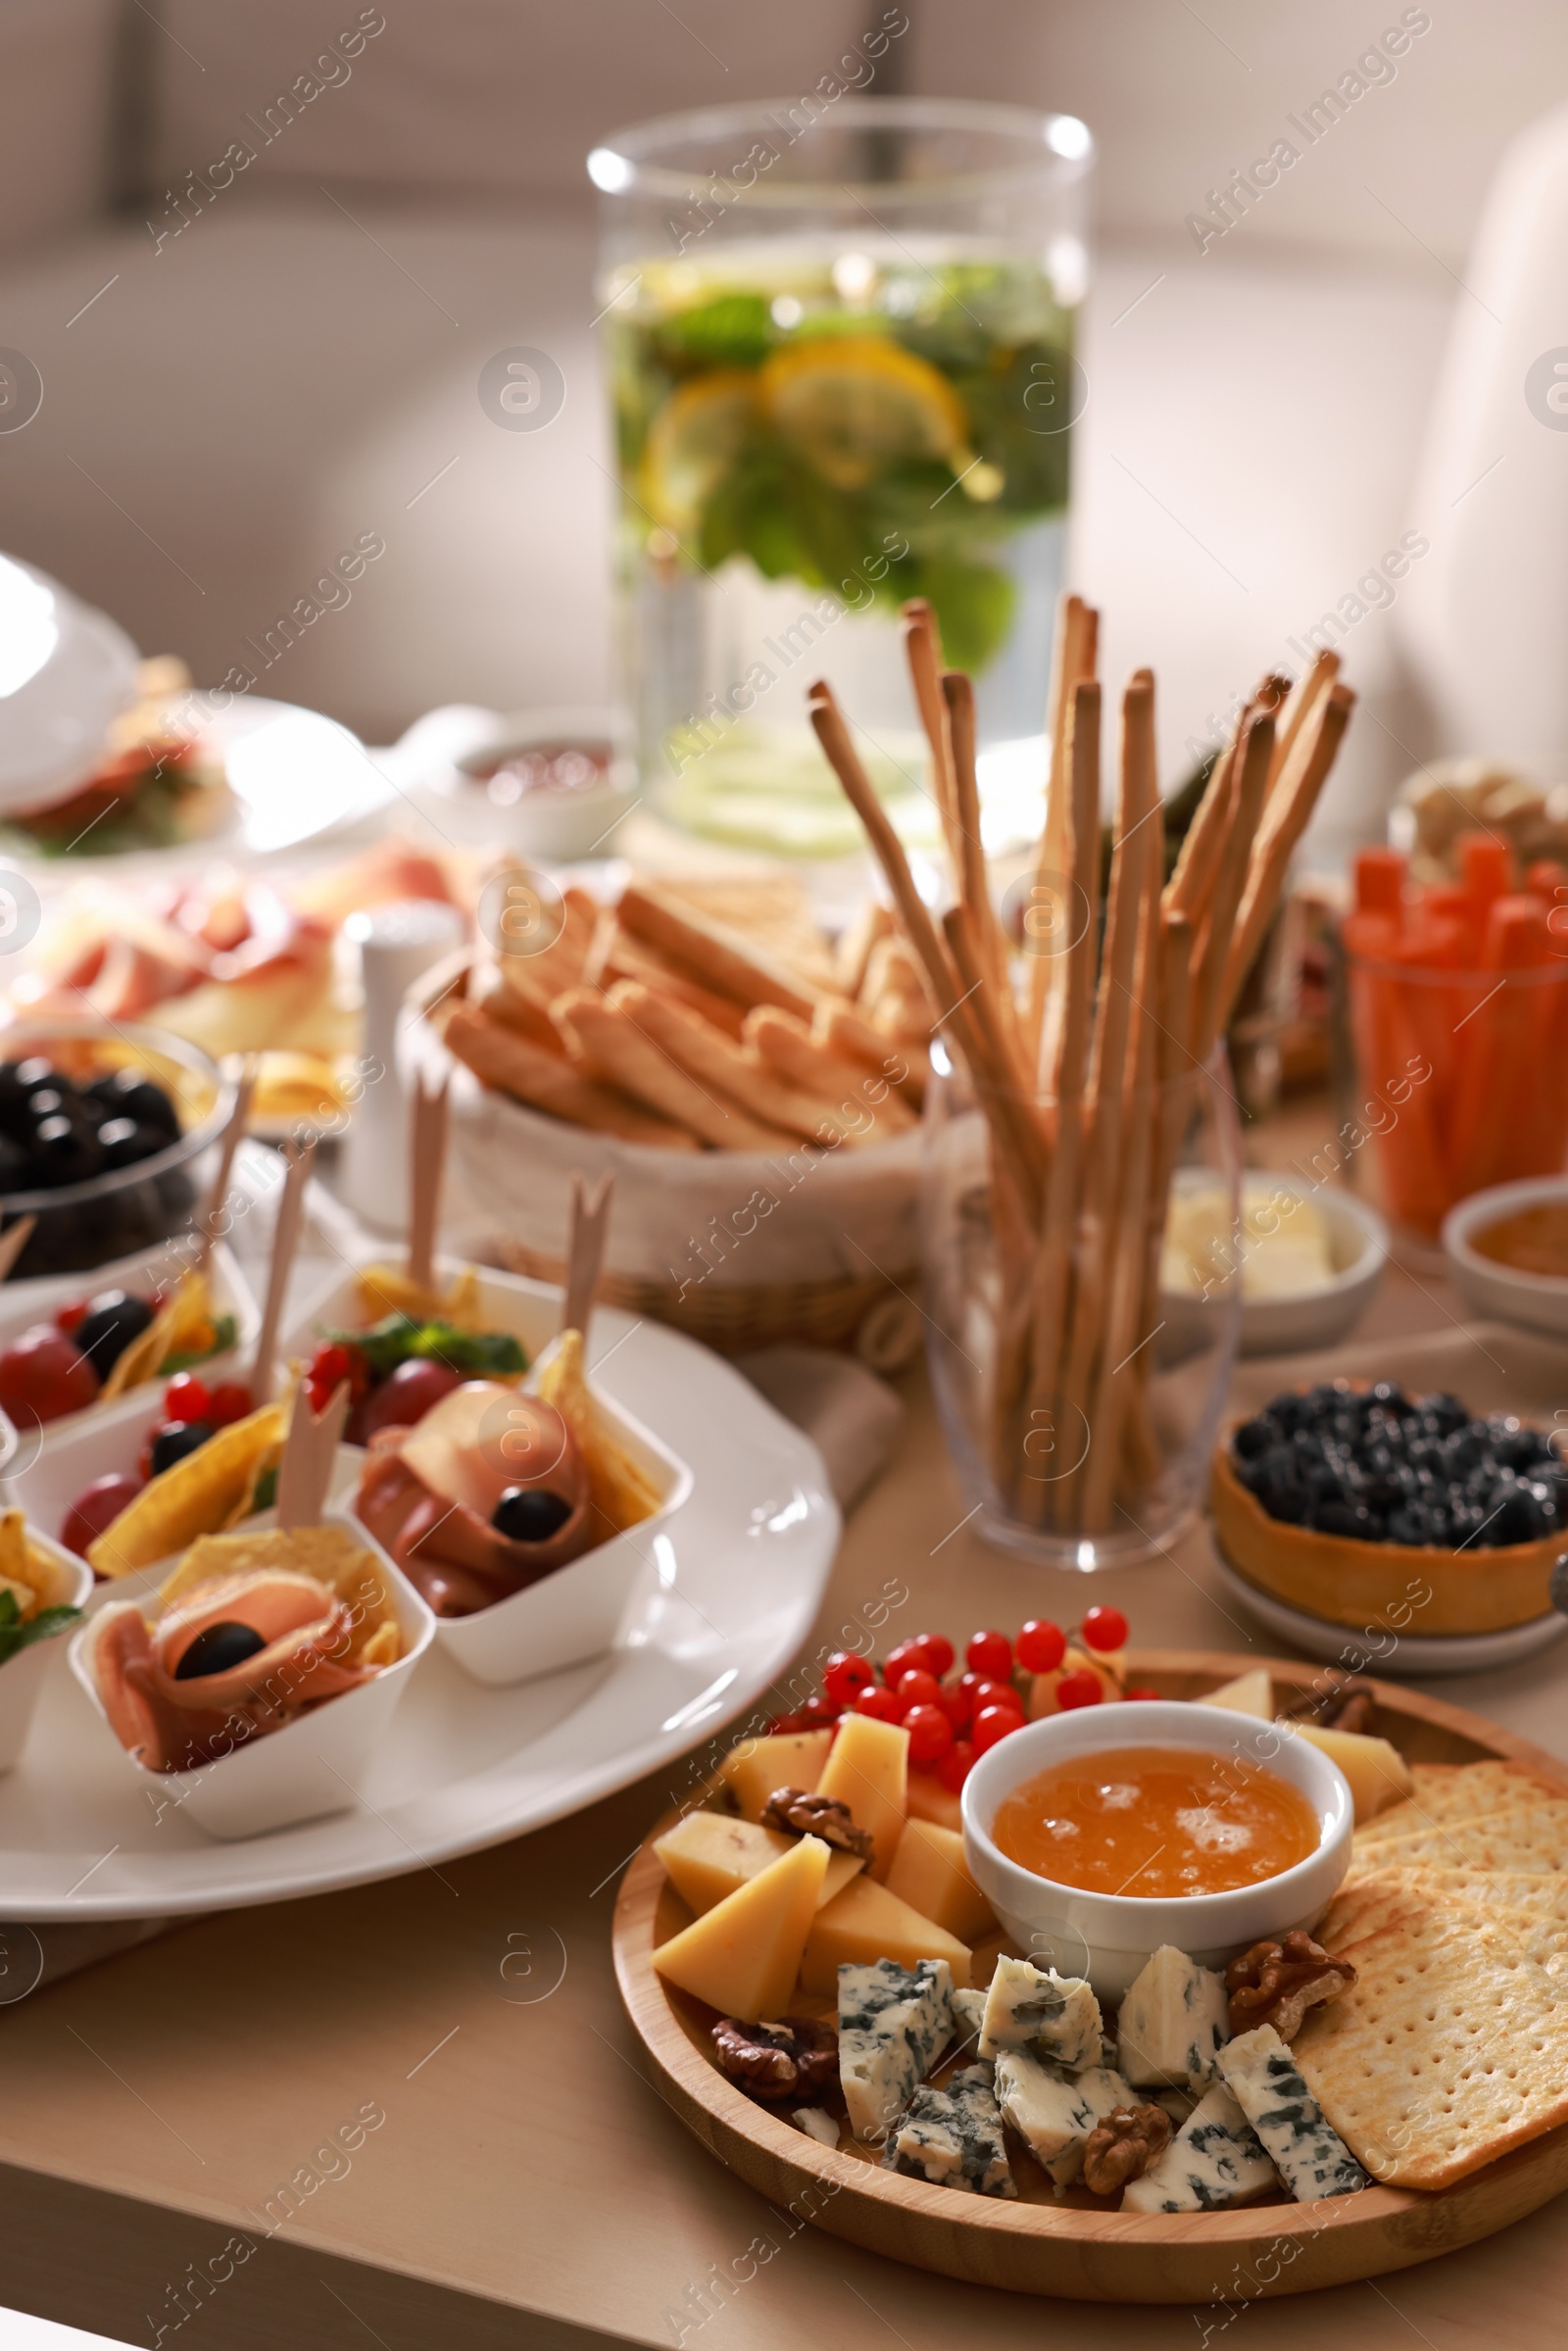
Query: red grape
{"points": [[782, 1723], [844, 1674], [993, 1723], [936, 1653], [1080, 1689], [819, 1713], [96, 1509], [957, 1704], [956, 1766], [1104, 1628], [905, 1659], [1042, 1645], [995, 1693], [930, 1735], [403, 1399], [187, 1398], [43, 1376], [990, 1654], [917, 1687], [71, 1318], [879, 1703]]}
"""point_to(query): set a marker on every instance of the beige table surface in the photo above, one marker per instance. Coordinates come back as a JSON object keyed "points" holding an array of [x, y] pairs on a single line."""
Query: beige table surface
{"points": [[527, 2184]]}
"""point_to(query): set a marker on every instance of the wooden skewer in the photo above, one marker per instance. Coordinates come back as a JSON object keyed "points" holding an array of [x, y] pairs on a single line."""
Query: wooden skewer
{"points": [[1295, 798], [310, 1452], [15, 1242], [298, 1162], [585, 1251], [239, 1120], [428, 1129]]}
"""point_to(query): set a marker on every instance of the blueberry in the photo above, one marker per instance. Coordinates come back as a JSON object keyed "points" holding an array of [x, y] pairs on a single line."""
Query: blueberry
{"points": [[530, 1514], [1411, 1525], [218, 1647], [124, 1140], [1515, 1449], [1515, 1515], [1344, 1518], [114, 1318], [174, 1440], [1390, 1392], [1253, 1437], [1445, 1411]]}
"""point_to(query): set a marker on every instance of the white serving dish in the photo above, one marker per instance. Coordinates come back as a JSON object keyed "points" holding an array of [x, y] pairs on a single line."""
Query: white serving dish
{"points": [[1536, 1300], [1359, 1243], [1378, 1650], [733, 1588], [23, 1677], [1107, 1937], [558, 826], [314, 1766], [232, 1294], [574, 1613]]}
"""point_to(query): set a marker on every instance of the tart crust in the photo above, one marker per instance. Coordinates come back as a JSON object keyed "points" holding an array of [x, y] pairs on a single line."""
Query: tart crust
{"points": [[1372, 1585]]}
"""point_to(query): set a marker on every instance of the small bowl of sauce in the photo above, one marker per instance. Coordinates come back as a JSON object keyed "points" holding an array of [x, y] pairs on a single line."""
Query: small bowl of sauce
{"points": [[1101, 1835], [1507, 1252]]}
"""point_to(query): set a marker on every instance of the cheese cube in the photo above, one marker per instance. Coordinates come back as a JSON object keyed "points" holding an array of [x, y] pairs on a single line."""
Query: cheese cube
{"points": [[743, 1956], [1311, 2158], [968, 2014], [782, 1759], [953, 2138], [893, 2023], [929, 1873], [1054, 2110], [1174, 2018], [865, 1922], [709, 1855], [869, 1769], [928, 1801], [1215, 2159], [1108, 1667], [1034, 2008], [1377, 1773], [1252, 1693]]}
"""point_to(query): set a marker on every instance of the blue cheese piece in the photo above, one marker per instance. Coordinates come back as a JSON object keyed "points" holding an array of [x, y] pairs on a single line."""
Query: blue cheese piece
{"points": [[968, 2014], [1054, 2111], [1036, 2009], [893, 2023], [953, 2138], [1311, 2158], [1173, 2021], [817, 2123], [1215, 2160]]}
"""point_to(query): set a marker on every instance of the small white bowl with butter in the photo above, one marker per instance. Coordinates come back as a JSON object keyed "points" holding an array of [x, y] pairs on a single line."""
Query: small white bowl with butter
{"points": [[1309, 1258]]}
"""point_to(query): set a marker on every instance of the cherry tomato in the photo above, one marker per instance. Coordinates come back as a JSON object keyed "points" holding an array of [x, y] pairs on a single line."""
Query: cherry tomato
{"points": [[1042, 1645], [879, 1703], [990, 1654], [930, 1735], [955, 1765], [1104, 1628], [995, 1693], [819, 1713], [957, 1704], [402, 1401], [782, 1723], [187, 1398], [43, 1375], [935, 1652], [905, 1659], [844, 1674], [1139, 1692], [1081, 1689], [331, 1363], [71, 1318], [917, 1687], [96, 1509], [230, 1401], [993, 1723]]}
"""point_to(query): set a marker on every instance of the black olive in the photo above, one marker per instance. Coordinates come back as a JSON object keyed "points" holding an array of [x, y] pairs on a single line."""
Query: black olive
{"points": [[129, 1094], [174, 1440], [15, 1168], [217, 1648], [114, 1318], [124, 1140], [530, 1514], [45, 1103], [34, 1072], [63, 1152]]}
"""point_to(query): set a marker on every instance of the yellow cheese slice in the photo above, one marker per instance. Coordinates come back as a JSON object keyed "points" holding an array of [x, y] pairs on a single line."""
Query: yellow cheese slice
{"points": [[782, 1759], [927, 1799], [708, 1855], [1377, 1773], [743, 1956], [869, 1769], [1252, 1693], [929, 1873], [866, 1922]]}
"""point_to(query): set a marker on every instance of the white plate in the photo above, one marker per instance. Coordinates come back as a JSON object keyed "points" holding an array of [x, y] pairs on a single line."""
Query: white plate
{"points": [[727, 1597], [1404, 1652]]}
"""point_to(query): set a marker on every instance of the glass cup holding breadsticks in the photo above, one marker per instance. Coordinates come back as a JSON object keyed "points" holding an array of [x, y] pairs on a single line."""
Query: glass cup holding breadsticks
{"points": [[1085, 1083]]}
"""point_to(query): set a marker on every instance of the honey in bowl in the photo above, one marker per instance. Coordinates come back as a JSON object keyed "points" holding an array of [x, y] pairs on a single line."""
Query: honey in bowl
{"points": [[1156, 1822], [1529, 1241]]}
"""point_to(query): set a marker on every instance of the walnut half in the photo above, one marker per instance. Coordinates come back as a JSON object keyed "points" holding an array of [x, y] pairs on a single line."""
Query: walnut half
{"points": [[1276, 1983], [801, 1812], [1123, 2147], [790, 2063]]}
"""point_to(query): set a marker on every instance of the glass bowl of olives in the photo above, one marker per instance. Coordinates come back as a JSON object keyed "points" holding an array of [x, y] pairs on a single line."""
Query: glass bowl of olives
{"points": [[101, 1125]]}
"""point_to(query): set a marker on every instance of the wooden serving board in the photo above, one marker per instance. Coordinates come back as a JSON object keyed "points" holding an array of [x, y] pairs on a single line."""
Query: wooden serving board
{"points": [[1081, 2249]]}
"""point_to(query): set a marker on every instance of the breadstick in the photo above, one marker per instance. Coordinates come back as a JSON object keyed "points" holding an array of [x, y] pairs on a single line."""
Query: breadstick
{"points": [[1072, 663], [711, 952], [841, 1030], [548, 1081], [1305, 695], [731, 1073], [874, 921], [515, 1001], [787, 1045], [974, 883], [616, 1047], [923, 650], [617, 955], [1289, 811], [1230, 880]]}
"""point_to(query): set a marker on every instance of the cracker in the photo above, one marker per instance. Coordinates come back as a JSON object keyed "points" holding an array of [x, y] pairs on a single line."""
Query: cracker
{"points": [[1450, 1791], [1452, 2047], [1542, 1891], [1522, 1836]]}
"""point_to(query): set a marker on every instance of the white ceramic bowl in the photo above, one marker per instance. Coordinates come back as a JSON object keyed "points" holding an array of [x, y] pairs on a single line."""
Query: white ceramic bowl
{"points": [[1358, 1244], [47, 1477], [1536, 1300], [574, 1613], [21, 1678], [314, 1765], [559, 826], [1107, 1937]]}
